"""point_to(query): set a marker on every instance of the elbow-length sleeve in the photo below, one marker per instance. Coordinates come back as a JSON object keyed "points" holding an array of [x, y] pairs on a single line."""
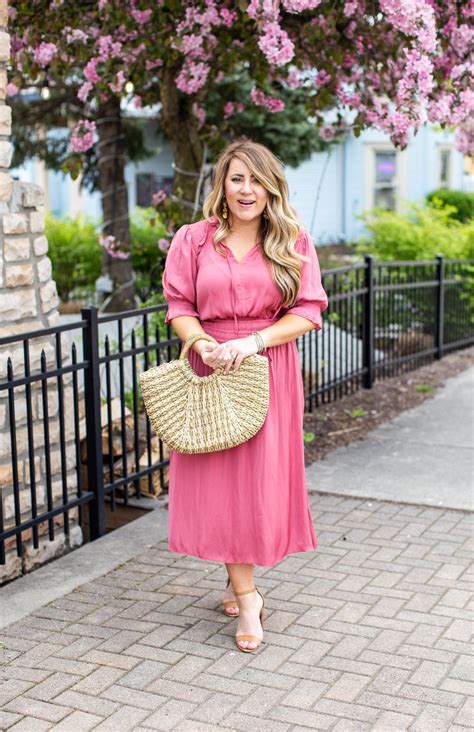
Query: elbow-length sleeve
{"points": [[312, 299], [179, 276]]}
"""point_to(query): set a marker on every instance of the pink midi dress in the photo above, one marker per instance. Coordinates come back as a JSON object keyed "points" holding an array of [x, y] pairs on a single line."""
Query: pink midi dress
{"points": [[246, 504]]}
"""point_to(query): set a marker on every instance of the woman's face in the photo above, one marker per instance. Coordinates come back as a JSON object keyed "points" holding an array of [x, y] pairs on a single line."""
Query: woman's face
{"points": [[246, 197]]}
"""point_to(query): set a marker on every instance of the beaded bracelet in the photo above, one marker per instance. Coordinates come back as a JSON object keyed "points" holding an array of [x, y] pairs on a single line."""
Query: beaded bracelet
{"points": [[260, 342]]}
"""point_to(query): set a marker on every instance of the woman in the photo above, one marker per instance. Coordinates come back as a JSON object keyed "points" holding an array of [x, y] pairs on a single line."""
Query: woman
{"points": [[245, 274]]}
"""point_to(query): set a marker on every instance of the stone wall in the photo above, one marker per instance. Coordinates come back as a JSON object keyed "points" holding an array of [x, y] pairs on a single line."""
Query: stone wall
{"points": [[28, 302]]}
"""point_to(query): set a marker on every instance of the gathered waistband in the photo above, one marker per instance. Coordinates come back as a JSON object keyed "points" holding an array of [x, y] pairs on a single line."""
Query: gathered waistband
{"points": [[243, 324]]}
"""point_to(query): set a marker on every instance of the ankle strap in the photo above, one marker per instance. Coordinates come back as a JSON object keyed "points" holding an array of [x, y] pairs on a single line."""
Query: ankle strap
{"points": [[245, 592]]}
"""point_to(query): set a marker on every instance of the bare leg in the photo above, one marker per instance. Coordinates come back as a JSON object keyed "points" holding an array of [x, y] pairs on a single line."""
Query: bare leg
{"points": [[242, 578], [229, 595]]}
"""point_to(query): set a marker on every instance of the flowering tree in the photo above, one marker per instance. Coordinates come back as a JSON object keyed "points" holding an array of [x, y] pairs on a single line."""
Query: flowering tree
{"points": [[390, 64]]}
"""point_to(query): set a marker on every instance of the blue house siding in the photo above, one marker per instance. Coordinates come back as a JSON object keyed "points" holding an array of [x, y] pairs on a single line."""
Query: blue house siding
{"points": [[348, 183], [58, 193], [315, 194]]}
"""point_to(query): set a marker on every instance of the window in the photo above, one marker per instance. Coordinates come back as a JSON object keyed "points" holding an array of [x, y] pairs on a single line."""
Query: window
{"points": [[148, 183], [385, 179], [445, 155]]}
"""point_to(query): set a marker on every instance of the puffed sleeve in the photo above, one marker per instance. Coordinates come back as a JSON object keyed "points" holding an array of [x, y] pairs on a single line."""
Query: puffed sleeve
{"points": [[312, 299], [179, 276]]}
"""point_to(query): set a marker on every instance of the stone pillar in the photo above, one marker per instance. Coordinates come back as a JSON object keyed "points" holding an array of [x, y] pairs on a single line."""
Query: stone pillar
{"points": [[28, 302]]}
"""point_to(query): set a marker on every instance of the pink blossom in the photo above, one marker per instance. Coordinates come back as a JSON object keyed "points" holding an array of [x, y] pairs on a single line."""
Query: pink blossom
{"points": [[192, 77], [260, 99], [141, 16], [463, 38], [82, 136], [413, 17], [322, 78], [199, 113], [294, 79], [229, 109], [108, 48], [211, 16], [464, 138], [137, 102], [440, 109], [164, 244], [153, 64], [112, 246], [263, 10], [119, 83], [348, 61], [400, 125], [299, 6], [350, 29], [417, 80], [350, 7], [276, 45], [158, 197], [228, 17], [327, 133], [45, 53], [76, 36], [11, 89], [90, 71], [84, 91], [190, 44]]}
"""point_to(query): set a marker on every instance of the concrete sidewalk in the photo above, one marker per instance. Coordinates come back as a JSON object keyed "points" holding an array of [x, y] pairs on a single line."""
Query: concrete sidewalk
{"points": [[369, 632], [424, 456]]}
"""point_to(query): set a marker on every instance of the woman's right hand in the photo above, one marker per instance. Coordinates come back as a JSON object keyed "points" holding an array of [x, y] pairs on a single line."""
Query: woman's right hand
{"points": [[211, 354]]}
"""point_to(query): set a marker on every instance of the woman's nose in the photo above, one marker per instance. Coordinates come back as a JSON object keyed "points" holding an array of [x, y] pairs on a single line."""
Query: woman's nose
{"points": [[246, 187]]}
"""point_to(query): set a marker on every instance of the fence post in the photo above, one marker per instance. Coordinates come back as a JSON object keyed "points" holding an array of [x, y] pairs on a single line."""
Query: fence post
{"points": [[368, 325], [95, 473], [439, 316]]}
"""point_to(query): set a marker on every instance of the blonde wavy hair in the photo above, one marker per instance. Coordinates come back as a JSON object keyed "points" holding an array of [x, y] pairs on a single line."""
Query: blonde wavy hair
{"points": [[279, 231]]}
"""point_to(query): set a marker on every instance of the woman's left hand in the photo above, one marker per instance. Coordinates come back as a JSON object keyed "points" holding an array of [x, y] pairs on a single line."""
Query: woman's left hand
{"points": [[242, 347]]}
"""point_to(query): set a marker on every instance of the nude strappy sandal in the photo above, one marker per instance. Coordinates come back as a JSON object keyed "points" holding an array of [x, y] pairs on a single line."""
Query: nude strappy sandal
{"points": [[230, 603], [247, 636]]}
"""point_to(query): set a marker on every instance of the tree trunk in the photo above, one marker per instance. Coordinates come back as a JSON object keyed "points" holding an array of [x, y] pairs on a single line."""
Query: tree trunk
{"points": [[180, 127], [111, 161]]}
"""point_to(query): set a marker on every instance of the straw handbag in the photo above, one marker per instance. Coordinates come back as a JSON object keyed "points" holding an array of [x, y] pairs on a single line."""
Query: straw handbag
{"points": [[193, 414]]}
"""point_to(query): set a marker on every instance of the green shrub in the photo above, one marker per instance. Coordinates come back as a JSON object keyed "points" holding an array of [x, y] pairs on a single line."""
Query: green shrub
{"points": [[145, 230], [75, 254], [148, 259], [461, 201], [419, 233]]}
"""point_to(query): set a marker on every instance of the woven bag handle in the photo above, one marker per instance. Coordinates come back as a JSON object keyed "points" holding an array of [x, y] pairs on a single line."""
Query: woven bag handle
{"points": [[192, 339]]}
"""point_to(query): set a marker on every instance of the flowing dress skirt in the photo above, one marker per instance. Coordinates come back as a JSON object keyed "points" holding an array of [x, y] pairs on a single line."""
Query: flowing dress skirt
{"points": [[247, 504]]}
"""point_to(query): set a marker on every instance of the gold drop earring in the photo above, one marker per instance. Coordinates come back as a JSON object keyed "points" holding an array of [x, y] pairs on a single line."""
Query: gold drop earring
{"points": [[265, 215], [224, 209]]}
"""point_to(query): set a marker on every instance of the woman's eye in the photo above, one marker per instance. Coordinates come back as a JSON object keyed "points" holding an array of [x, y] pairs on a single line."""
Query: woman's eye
{"points": [[238, 180]]}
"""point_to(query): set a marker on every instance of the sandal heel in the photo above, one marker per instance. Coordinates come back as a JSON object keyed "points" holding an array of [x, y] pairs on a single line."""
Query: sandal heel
{"points": [[230, 603]]}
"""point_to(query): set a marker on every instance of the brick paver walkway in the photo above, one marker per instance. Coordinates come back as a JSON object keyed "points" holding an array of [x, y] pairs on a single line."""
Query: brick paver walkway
{"points": [[370, 632]]}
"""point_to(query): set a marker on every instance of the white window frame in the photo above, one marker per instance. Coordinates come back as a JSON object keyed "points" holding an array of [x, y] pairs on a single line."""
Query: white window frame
{"points": [[442, 148], [400, 177]]}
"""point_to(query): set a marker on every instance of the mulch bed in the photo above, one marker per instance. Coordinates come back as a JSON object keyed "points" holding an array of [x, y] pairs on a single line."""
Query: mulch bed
{"points": [[334, 426]]}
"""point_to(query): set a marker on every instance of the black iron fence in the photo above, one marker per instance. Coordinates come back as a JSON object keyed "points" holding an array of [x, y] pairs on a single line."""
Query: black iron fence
{"points": [[76, 440]]}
